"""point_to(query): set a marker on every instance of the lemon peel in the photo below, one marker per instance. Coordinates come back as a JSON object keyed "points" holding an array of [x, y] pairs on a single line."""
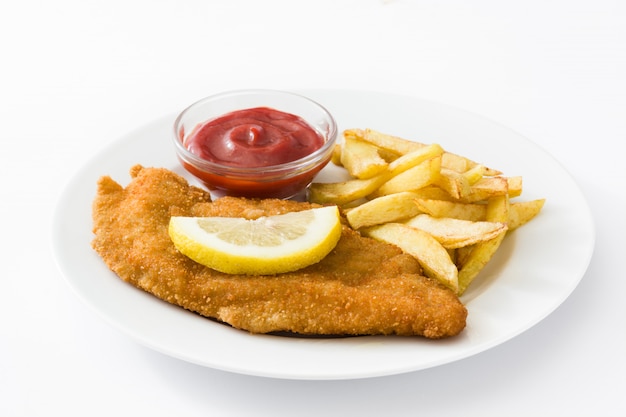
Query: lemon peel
{"points": [[264, 246]]}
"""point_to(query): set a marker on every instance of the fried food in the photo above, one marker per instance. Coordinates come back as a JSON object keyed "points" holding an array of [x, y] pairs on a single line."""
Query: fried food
{"points": [[363, 287], [462, 205]]}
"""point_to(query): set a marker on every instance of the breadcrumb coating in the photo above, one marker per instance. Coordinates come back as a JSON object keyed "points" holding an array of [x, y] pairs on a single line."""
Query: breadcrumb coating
{"points": [[363, 287]]}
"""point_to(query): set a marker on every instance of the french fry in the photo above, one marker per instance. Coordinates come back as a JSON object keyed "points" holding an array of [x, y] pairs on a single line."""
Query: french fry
{"points": [[454, 183], [345, 192], [342, 193], [414, 158], [486, 188], [454, 233], [385, 153], [388, 142], [481, 254], [514, 185], [388, 156], [521, 213], [419, 176], [475, 174], [461, 164], [446, 210], [403, 146], [336, 155], [353, 133], [432, 192], [461, 211], [361, 159], [384, 209], [431, 255]]}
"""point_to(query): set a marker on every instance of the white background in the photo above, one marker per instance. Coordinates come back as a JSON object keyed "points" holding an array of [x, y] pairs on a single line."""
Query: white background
{"points": [[76, 75]]}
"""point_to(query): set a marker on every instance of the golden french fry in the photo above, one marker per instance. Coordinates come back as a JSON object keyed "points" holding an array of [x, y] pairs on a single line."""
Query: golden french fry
{"points": [[521, 213], [462, 164], [388, 155], [420, 176], [475, 174], [486, 188], [403, 146], [336, 155], [498, 209], [454, 183], [353, 133], [461, 211], [514, 185], [431, 255], [414, 158], [361, 159], [342, 193], [345, 192], [385, 153], [384, 209], [432, 192], [455, 233], [388, 142], [456, 162], [493, 186], [481, 254]]}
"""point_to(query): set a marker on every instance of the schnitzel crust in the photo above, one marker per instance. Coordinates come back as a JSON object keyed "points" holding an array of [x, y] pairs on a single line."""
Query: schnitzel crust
{"points": [[363, 287]]}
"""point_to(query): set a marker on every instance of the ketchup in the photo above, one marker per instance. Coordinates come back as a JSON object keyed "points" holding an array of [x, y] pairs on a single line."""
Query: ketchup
{"points": [[256, 137]]}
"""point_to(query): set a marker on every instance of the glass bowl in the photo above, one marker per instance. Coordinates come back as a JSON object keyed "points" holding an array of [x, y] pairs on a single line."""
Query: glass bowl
{"points": [[282, 180]]}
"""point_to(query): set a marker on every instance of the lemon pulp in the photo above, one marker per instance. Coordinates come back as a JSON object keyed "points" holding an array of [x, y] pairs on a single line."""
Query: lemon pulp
{"points": [[264, 246]]}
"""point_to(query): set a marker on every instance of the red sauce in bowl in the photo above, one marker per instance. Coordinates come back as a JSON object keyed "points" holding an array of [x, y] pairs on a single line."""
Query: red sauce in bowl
{"points": [[257, 152], [256, 137], [221, 185]]}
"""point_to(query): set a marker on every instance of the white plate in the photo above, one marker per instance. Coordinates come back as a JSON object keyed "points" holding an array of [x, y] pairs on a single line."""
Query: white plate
{"points": [[535, 270]]}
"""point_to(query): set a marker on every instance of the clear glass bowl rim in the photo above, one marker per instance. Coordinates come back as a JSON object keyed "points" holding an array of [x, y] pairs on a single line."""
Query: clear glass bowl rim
{"points": [[295, 167]]}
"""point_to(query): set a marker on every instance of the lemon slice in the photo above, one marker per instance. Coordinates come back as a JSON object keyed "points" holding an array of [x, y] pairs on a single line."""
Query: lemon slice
{"points": [[264, 246]]}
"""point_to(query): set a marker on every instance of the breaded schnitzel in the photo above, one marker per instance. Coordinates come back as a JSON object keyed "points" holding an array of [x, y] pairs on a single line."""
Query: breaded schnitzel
{"points": [[363, 287]]}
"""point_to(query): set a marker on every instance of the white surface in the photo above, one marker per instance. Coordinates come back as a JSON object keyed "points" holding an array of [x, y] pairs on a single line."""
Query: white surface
{"points": [[78, 75], [534, 271]]}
